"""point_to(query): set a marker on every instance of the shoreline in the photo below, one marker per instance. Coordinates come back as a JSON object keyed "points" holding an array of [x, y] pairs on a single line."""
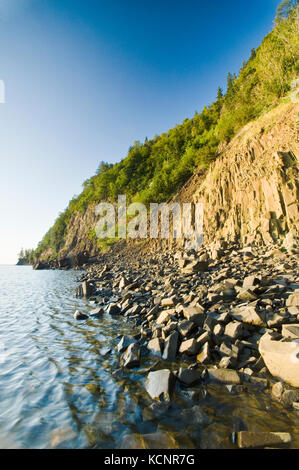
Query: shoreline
{"points": [[202, 315]]}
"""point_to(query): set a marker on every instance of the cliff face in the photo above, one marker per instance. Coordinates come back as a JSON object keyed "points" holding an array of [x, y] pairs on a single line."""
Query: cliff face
{"points": [[250, 193]]}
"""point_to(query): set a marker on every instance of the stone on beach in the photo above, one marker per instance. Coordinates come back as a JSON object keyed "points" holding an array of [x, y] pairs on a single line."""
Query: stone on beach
{"points": [[131, 356], [80, 316], [251, 440], [160, 384], [224, 376]]}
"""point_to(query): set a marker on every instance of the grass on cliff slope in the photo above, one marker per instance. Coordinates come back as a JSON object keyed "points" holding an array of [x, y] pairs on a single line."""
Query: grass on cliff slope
{"points": [[155, 169]]}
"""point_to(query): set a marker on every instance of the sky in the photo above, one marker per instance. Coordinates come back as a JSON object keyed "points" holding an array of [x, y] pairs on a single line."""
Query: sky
{"points": [[85, 79]]}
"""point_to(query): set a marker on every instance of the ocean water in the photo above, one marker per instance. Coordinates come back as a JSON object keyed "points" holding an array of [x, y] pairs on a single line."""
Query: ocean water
{"points": [[57, 389]]}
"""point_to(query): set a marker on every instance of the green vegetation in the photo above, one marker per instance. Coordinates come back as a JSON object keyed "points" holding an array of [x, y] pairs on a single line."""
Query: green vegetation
{"points": [[156, 169]]}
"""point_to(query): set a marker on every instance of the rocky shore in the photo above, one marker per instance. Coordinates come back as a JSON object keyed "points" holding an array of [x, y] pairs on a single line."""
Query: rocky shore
{"points": [[225, 315]]}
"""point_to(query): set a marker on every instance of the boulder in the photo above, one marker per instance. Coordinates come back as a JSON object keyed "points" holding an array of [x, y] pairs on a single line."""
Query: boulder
{"points": [[160, 384], [293, 300], [234, 330], [96, 312], [281, 359], [248, 315], [189, 347], [290, 331], [224, 376], [195, 315], [131, 357], [189, 376]]}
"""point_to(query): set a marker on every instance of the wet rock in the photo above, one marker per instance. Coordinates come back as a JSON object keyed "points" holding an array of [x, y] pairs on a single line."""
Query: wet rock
{"points": [[204, 355], [293, 300], [195, 315], [281, 359], [189, 376], [189, 347], [196, 415], [290, 331], [124, 343], [113, 309], [224, 376], [171, 346], [86, 289], [155, 346], [160, 384], [131, 357], [159, 439], [234, 330], [80, 316], [105, 351], [254, 440], [246, 295]]}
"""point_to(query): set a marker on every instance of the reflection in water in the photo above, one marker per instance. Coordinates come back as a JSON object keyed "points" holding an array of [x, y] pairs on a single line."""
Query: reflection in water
{"points": [[57, 387]]}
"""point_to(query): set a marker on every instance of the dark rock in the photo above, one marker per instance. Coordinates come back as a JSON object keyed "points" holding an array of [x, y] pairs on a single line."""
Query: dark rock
{"points": [[79, 316]]}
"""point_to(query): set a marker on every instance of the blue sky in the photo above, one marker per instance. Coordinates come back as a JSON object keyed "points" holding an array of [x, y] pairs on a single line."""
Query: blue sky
{"points": [[85, 79]]}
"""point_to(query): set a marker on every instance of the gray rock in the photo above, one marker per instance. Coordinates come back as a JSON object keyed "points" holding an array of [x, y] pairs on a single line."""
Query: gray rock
{"points": [[171, 346], [186, 327], [189, 376], [195, 315], [131, 356], [234, 330], [160, 384], [113, 309], [293, 300], [189, 347], [80, 316], [155, 346], [224, 376], [290, 331]]}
